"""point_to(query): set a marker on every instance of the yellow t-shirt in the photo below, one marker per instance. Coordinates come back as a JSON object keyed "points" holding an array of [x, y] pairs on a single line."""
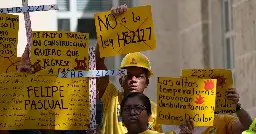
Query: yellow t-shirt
{"points": [[155, 132], [111, 123], [222, 125], [150, 132]]}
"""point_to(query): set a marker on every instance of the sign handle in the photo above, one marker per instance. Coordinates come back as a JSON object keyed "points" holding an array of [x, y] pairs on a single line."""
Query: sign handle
{"points": [[28, 28], [92, 88]]}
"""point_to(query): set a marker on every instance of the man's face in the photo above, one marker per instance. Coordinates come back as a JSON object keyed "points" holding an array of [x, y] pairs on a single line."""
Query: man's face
{"points": [[135, 81]]}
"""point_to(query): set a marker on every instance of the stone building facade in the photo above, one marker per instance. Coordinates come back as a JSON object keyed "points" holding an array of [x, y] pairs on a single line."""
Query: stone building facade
{"points": [[206, 34], [245, 51]]}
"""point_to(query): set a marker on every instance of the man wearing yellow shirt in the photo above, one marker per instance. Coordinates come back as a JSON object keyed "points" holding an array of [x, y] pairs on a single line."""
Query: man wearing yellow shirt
{"points": [[226, 124], [136, 80]]}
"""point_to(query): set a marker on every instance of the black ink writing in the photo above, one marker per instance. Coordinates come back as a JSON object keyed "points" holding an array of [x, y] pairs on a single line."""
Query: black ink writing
{"points": [[47, 52], [58, 43], [45, 91], [184, 82], [73, 53], [174, 98], [107, 23], [192, 91], [202, 73], [61, 70], [133, 37], [135, 19], [44, 104], [167, 116], [55, 62], [199, 117], [107, 43]]}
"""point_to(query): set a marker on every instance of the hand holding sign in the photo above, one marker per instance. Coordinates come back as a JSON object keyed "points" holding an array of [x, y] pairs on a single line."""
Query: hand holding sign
{"points": [[132, 31], [232, 95], [119, 10]]}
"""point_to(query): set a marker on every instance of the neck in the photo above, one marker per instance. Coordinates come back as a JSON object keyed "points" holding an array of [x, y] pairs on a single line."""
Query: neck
{"points": [[126, 93], [137, 131]]}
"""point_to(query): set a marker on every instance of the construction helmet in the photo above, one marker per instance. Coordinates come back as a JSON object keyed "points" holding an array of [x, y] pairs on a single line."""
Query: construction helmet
{"points": [[136, 59]]}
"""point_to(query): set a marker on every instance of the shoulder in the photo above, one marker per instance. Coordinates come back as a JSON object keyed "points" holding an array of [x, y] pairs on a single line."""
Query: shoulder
{"points": [[110, 92], [152, 132], [153, 109], [224, 118], [153, 105]]}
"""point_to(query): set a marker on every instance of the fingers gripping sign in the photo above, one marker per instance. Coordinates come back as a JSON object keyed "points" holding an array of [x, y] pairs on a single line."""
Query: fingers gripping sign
{"points": [[119, 10], [187, 127], [233, 95]]}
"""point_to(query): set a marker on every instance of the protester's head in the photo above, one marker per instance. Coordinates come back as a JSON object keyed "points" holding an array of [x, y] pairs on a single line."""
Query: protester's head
{"points": [[135, 112], [138, 72]]}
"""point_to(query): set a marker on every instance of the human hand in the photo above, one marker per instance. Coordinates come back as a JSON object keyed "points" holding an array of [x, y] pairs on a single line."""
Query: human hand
{"points": [[233, 95], [187, 127], [119, 10], [25, 65]]}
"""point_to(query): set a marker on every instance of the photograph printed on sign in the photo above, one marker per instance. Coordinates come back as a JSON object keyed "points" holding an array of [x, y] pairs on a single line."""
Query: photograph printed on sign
{"points": [[9, 27], [185, 98], [43, 102], [224, 83], [133, 31], [59, 51]]}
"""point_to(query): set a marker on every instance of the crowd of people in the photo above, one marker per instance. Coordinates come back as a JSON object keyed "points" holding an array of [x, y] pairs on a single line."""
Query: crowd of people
{"points": [[132, 112]]}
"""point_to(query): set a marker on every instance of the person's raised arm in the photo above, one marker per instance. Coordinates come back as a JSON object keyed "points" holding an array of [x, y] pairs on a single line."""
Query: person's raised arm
{"points": [[25, 65], [102, 82]]}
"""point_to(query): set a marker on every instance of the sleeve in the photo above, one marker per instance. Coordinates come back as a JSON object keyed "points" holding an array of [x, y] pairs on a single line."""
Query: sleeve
{"points": [[110, 91], [229, 120], [170, 132], [152, 121], [158, 128]]}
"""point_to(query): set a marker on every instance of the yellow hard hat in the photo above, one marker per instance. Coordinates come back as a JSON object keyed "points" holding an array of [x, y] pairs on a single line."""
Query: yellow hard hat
{"points": [[136, 59]]}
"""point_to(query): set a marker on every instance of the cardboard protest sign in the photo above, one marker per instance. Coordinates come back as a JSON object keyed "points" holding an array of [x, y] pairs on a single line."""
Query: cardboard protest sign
{"points": [[224, 82], [9, 27], [59, 51], [43, 102], [133, 31], [185, 98], [8, 65]]}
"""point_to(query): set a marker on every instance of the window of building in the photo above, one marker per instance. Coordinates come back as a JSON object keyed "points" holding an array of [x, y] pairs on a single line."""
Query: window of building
{"points": [[63, 24], [78, 16], [228, 33]]}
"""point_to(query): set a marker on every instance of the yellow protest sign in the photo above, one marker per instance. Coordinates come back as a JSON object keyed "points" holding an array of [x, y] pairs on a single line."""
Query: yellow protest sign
{"points": [[224, 82], [133, 31], [59, 51], [185, 98], [9, 65], [9, 27], [43, 102]]}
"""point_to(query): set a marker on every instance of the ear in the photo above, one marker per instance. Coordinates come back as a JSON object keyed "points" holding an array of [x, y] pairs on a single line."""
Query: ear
{"points": [[121, 81], [147, 82]]}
